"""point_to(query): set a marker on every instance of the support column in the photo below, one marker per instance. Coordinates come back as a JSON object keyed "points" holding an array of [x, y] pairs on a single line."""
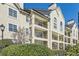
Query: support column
{"points": [[33, 29], [49, 36], [58, 41], [64, 42]]}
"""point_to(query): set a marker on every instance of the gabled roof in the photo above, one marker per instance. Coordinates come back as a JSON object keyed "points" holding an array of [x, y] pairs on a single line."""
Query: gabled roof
{"points": [[43, 13], [70, 25], [20, 9], [51, 4], [17, 5]]}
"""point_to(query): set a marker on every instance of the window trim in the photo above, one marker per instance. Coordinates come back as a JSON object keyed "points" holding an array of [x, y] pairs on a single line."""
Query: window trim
{"points": [[27, 31], [12, 12], [61, 26], [55, 22], [12, 27]]}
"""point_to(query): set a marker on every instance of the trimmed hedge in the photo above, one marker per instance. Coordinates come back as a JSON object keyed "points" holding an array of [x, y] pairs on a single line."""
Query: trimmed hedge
{"points": [[26, 50], [5, 42], [59, 52]]}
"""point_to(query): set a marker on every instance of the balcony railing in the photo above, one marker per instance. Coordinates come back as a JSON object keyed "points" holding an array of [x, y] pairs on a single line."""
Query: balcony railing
{"points": [[41, 34], [74, 41], [54, 45], [41, 42], [41, 23], [54, 37], [61, 46]]}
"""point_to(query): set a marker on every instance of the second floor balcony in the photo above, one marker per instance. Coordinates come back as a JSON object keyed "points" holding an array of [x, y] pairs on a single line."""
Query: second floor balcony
{"points": [[67, 40], [60, 37], [41, 34], [54, 36]]}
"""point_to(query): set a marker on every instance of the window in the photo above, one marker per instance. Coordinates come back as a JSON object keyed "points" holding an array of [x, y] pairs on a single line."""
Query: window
{"points": [[12, 13], [15, 28], [60, 37], [27, 31], [74, 41], [12, 27], [30, 32], [39, 34], [60, 45], [54, 45], [55, 23], [54, 36], [27, 18], [40, 23], [66, 46], [68, 40], [61, 26], [65, 32]]}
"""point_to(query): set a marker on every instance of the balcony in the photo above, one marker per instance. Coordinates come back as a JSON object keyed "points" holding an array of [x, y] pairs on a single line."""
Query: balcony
{"points": [[41, 42], [54, 36], [30, 33], [40, 34], [61, 46], [60, 37], [41, 23], [54, 45], [74, 41], [67, 40]]}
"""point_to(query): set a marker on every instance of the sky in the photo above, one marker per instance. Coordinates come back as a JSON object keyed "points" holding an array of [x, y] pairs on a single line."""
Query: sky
{"points": [[69, 10]]}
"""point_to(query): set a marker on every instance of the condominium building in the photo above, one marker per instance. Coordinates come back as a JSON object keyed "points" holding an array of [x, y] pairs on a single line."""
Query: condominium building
{"points": [[13, 17], [44, 27], [71, 33], [48, 27]]}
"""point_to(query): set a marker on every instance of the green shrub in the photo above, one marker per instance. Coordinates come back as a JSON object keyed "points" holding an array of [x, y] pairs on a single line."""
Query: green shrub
{"points": [[59, 52], [26, 50], [5, 42], [72, 50]]}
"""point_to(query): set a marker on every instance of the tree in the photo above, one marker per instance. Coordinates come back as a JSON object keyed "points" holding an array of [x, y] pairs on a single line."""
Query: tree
{"points": [[21, 36]]}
